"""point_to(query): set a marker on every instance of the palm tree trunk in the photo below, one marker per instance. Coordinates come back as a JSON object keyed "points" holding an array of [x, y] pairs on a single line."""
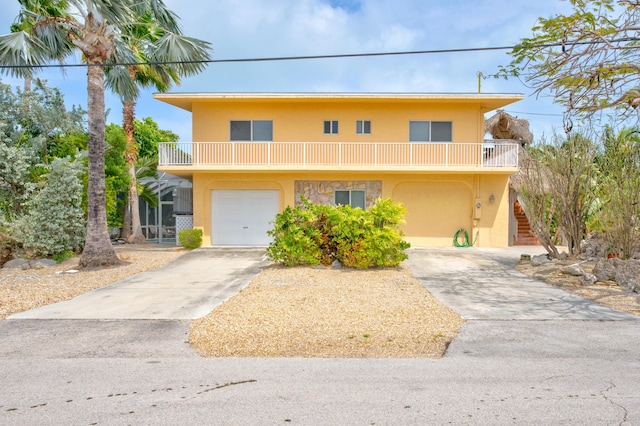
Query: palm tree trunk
{"points": [[98, 250], [126, 220], [131, 157], [125, 231]]}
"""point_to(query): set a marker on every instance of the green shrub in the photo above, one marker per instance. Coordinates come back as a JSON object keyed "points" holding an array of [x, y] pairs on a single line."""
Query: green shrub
{"points": [[62, 256], [296, 238], [313, 234], [55, 221], [190, 238]]}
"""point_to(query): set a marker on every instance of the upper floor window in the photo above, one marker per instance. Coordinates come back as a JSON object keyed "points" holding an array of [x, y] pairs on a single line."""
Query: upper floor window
{"points": [[251, 130], [430, 131], [350, 197], [331, 127], [363, 127]]}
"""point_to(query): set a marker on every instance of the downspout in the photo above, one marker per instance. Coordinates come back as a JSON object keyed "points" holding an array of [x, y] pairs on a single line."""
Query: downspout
{"points": [[477, 208]]}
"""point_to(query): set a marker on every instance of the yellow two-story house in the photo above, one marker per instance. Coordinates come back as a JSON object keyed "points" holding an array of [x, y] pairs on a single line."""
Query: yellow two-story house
{"points": [[253, 154]]}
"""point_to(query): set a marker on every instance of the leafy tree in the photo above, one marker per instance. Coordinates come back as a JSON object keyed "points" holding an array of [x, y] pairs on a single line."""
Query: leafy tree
{"points": [[15, 164], [44, 119], [620, 187], [532, 187], [29, 123], [573, 182], [38, 118], [557, 185], [148, 134], [589, 59], [116, 176], [68, 145], [55, 221], [95, 28]]}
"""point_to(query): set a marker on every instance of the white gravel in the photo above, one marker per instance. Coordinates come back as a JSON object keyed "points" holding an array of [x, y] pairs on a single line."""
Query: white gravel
{"points": [[307, 312]]}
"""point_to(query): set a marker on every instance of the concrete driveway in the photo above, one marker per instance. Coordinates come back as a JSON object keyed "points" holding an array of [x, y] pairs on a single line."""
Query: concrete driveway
{"points": [[187, 288], [482, 284]]}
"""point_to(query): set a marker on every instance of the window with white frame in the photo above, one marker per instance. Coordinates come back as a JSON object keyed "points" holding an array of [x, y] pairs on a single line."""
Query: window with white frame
{"points": [[251, 130], [331, 127], [363, 127], [430, 131], [350, 197]]}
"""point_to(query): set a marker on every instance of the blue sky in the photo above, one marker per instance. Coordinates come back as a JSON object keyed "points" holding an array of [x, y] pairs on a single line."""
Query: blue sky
{"points": [[259, 28]]}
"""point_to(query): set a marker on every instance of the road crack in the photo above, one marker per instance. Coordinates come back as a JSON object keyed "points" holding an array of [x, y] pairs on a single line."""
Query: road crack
{"points": [[615, 404]]}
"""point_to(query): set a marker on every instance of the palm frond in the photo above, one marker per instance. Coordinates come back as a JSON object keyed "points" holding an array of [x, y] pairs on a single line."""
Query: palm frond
{"points": [[119, 80], [146, 167], [188, 54], [150, 41], [113, 12], [157, 76], [164, 16], [53, 34], [20, 54], [147, 194]]}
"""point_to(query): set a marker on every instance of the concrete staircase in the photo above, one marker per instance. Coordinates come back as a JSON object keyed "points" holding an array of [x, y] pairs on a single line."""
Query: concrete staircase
{"points": [[525, 236]]}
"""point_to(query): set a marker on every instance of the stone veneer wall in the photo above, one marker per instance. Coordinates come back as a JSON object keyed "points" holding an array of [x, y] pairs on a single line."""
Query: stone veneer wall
{"points": [[321, 191]]}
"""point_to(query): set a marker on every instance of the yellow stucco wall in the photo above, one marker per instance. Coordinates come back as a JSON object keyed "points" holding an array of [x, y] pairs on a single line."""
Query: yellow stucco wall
{"points": [[437, 205], [303, 121]]}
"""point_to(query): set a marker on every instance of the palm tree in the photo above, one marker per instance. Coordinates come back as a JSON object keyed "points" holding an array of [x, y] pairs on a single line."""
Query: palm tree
{"points": [[95, 28], [145, 39], [26, 21]]}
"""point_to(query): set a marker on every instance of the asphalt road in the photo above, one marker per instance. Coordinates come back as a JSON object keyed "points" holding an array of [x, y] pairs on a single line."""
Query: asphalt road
{"points": [[498, 371]]}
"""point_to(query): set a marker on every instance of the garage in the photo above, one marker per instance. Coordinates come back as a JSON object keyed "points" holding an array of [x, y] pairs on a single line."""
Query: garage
{"points": [[243, 217]]}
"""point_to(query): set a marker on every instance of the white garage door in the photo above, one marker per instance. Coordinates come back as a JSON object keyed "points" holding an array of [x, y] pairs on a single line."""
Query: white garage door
{"points": [[243, 217]]}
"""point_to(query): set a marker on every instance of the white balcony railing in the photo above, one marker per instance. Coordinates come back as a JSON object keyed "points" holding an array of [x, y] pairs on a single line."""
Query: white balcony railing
{"points": [[338, 154]]}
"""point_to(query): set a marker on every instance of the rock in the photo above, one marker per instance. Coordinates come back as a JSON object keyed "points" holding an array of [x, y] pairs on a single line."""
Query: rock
{"points": [[605, 270], [573, 270], [336, 265], [588, 279], [17, 264], [540, 259], [594, 246], [628, 275], [42, 263]]}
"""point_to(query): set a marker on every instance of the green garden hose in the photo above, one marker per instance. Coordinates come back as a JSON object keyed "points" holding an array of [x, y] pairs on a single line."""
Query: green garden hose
{"points": [[466, 243]]}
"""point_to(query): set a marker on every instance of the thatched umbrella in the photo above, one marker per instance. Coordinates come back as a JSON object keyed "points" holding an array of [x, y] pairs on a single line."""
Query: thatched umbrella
{"points": [[505, 126]]}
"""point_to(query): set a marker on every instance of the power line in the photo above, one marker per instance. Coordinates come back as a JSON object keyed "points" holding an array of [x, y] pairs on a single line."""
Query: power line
{"points": [[534, 113], [335, 56]]}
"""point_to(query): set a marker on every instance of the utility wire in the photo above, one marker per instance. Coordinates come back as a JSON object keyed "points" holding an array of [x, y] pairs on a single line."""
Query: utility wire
{"points": [[534, 113], [337, 56]]}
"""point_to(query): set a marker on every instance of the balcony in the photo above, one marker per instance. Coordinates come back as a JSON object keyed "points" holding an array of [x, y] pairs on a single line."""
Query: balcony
{"points": [[490, 155]]}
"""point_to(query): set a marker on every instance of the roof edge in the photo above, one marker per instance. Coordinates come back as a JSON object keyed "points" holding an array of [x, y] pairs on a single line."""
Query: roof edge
{"points": [[185, 100]]}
